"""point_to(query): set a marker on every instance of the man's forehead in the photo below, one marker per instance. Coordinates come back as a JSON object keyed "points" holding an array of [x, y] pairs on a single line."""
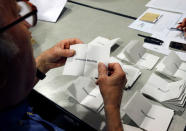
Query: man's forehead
{"points": [[8, 5], [8, 1]]}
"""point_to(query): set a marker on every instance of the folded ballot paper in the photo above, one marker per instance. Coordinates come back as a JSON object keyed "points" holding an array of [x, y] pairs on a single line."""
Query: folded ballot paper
{"points": [[148, 116], [172, 66], [131, 72], [85, 61], [130, 128], [104, 41], [170, 94], [134, 53], [49, 10], [87, 93]]}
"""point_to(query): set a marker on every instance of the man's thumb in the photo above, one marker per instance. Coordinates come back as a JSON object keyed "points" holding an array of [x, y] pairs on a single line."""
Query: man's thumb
{"points": [[68, 52], [102, 69]]}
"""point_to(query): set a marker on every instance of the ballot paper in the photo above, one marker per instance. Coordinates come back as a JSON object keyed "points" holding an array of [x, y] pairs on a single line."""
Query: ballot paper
{"points": [[49, 10], [104, 41], [85, 61], [131, 72], [131, 128], [172, 66], [148, 116], [170, 94], [87, 93], [168, 5], [161, 26], [134, 53]]}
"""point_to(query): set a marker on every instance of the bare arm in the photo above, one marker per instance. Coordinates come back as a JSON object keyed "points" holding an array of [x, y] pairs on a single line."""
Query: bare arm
{"points": [[111, 88], [113, 119]]}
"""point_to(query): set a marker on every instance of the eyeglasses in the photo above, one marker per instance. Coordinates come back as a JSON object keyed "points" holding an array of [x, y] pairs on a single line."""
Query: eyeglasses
{"points": [[28, 12]]}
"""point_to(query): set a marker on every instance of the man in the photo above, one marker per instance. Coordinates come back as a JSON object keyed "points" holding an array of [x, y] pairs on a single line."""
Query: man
{"points": [[18, 74]]}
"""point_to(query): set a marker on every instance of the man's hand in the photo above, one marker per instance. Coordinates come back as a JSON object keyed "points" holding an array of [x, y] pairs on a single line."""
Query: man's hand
{"points": [[111, 86], [111, 83], [56, 56], [182, 26]]}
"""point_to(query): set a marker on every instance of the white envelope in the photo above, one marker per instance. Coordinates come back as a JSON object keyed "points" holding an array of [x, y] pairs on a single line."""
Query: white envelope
{"points": [[87, 93], [131, 72], [131, 128], [172, 66], [134, 53], [161, 90], [104, 41], [146, 115]]}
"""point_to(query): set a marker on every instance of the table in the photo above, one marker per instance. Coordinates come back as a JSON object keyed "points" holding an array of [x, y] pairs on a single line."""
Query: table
{"points": [[86, 24], [128, 7]]}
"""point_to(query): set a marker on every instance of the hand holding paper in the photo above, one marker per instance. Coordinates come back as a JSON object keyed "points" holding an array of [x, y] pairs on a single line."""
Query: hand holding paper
{"points": [[85, 61], [111, 86], [131, 72], [57, 55]]}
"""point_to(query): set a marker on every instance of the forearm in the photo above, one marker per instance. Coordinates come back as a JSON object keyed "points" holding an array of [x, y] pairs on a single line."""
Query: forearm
{"points": [[41, 67], [113, 119]]}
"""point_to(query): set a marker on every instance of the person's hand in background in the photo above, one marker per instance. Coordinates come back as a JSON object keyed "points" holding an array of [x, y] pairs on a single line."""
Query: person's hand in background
{"points": [[182, 26]]}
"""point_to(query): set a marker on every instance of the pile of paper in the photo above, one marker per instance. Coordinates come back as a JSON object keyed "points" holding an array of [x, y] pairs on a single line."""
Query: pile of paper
{"points": [[49, 10], [169, 5], [104, 41], [172, 66], [131, 128], [134, 53], [85, 61], [170, 94], [131, 72], [161, 26], [148, 116], [85, 91]]}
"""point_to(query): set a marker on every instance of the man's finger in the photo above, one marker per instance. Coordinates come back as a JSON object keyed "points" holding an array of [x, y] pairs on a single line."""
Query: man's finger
{"points": [[115, 67], [102, 70], [67, 53], [74, 41], [179, 26]]}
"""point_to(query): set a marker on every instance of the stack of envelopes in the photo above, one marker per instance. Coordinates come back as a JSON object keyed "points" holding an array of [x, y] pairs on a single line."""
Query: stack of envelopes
{"points": [[131, 72], [147, 116], [172, 67], [85, 91], [134, 53], [170, 94]]}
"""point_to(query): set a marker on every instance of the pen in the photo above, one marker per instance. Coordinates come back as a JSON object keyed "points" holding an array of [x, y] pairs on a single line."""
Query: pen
{"points": [[176, 29], [151, 40]]}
